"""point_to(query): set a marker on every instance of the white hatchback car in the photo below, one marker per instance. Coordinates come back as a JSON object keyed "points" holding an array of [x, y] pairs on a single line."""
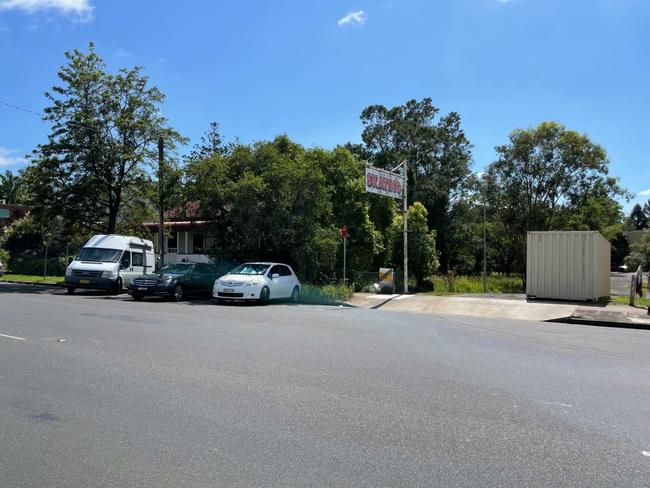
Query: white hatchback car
{"points": [[258, 281]]}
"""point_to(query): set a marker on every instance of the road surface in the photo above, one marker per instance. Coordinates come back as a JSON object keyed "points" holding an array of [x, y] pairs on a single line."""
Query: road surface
{"points": [[100, 391]]}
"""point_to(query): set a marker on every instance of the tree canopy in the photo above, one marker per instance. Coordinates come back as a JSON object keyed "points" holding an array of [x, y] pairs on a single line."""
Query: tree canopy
{"points": [[104, 133], [548, 178], [438, 153]]}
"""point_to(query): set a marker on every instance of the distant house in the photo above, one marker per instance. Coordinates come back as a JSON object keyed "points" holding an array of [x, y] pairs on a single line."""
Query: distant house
{"points": [[9, 213], [187, 239], [634, 236]]}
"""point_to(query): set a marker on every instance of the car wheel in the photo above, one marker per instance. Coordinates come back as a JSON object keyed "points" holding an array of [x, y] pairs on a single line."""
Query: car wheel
{"points": [[179, 294], [117, 288], [265, 295], [295, 294], [220, 301], [138, 298], [71, 290]]}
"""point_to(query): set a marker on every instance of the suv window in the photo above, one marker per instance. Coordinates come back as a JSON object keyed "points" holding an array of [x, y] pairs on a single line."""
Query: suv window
{"points": [[137, 259]]}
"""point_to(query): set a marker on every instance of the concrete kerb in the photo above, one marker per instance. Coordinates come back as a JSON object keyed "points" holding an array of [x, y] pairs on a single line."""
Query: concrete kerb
{"points": [[508, 307], [14, 282]]}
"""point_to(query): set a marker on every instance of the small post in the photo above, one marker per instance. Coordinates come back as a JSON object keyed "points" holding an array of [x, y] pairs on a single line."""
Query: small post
{"points": [[632, 290], [344, 235], [47, 244]]}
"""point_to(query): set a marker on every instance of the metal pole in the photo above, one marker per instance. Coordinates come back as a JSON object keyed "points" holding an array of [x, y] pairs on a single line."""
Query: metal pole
{"points": [[161, 223], [406, 246], [484, 243], [345, 246]]}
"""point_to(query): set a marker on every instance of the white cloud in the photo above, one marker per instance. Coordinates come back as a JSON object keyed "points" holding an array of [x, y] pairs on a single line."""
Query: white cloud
{"points": [[353, 18], [123, 53], [644, 193], [8, 158], [80, 9]]}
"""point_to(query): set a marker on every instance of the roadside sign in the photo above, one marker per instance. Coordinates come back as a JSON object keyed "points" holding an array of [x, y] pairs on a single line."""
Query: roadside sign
{"points": [[383, 182], [386, 278], [344, 232]]}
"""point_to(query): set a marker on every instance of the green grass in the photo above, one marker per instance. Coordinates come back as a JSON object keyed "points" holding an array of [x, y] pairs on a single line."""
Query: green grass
{"points": [[625, 300], [32, 279], [327, 294], [447, 285]]}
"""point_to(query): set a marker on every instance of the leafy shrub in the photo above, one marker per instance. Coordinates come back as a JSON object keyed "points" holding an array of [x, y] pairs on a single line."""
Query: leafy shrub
{"points": [[327, 294], [474, 284]]}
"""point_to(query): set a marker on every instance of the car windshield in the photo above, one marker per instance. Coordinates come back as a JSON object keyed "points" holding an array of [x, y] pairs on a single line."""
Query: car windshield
{"points": [[250, 269], [176, 268], [100, 254]]}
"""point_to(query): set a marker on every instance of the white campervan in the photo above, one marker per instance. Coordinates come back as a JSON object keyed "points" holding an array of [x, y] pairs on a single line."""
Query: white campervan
{"points": [[110, 262]]}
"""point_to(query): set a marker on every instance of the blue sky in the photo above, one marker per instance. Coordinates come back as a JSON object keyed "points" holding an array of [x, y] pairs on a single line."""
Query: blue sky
{"points": [[307, 69]]}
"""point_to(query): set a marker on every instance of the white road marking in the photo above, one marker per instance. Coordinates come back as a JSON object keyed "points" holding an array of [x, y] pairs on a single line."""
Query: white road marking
{"points": [[646, 453], [558, 404], [13, 337]]}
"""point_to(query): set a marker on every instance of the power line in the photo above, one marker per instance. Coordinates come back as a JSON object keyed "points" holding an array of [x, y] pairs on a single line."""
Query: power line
{"points": [[22, 109]]}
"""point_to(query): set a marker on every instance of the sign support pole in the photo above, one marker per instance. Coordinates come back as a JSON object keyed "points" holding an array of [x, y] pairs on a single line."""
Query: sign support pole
{"points": [[161, 225], [345, 248], [406, 212]]}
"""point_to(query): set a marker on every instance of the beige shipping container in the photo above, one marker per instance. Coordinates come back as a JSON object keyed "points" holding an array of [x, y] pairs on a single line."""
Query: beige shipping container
{"points": [[567, 265]]}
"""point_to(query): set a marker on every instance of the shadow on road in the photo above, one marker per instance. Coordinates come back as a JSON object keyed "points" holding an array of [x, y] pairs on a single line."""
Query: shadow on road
{"points": [[379, 305], [585, 303]]}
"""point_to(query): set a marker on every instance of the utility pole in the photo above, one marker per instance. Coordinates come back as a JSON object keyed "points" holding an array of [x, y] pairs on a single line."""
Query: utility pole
{"points": [[484, 242], [406, 228], [161, 222]]}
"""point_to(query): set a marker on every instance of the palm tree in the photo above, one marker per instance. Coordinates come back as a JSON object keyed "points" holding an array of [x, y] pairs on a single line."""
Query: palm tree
{"points": [[10, 187]]}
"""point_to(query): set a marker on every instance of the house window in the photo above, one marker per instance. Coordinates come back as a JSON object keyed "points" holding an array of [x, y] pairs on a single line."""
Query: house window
{"points": [[172, 243], [197, 242]]}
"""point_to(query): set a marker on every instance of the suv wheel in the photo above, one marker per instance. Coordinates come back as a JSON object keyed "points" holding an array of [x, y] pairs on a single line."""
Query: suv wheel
{"points": [[265, 295], [178, 293]]}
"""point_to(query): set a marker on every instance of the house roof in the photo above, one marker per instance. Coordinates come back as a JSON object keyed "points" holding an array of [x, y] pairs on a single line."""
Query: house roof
{"points": [[183, 225]]}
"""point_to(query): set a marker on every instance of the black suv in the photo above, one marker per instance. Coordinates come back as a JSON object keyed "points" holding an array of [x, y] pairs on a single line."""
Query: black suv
{"points": [[175, 281]]}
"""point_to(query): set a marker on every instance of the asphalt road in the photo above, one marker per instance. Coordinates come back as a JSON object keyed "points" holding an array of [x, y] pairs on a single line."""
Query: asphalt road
{"points": [[100, 391]]}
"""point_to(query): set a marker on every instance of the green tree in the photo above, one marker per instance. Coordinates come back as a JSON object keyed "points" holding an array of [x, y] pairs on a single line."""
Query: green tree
{"points": [[104, 135], [646, 209], [543, 177], [422, 255], [268, 200], [638, 218], [438, 153], [640, 255]]}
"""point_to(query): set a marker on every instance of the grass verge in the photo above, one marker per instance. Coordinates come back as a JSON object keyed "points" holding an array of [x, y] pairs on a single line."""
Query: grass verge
{"points": [[52, 280], [625, 300], [446, 285], [325, 295]]}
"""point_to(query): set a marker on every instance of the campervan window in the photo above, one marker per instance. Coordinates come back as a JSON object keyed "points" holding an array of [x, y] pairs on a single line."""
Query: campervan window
{"points": [[99, 254]]}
